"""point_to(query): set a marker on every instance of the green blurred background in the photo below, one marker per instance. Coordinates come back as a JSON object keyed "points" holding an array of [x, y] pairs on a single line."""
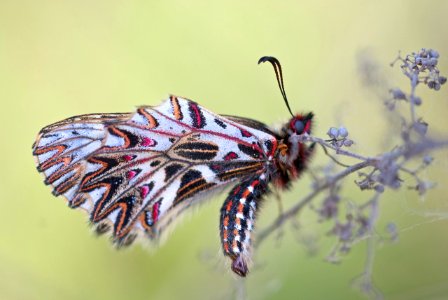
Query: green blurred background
{"points": [[63, 58]]}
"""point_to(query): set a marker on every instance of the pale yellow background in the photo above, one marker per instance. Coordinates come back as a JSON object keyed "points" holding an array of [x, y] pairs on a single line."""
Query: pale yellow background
{"points": [[63, 58]]}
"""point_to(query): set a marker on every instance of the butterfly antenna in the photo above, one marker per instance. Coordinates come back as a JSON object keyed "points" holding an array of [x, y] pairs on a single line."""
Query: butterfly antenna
{"points": [[278, 73]]}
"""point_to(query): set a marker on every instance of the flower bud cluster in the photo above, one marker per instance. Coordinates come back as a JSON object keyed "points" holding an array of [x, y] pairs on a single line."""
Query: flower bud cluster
{"points": [[421, 67], [339, 137]]}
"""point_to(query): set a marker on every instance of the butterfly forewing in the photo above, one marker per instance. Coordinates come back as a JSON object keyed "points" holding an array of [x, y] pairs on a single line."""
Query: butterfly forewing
{"points": [[136, 172]]}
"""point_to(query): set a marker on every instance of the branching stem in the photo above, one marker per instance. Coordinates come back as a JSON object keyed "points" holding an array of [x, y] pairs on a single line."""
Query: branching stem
{"points": [[292, 212]]}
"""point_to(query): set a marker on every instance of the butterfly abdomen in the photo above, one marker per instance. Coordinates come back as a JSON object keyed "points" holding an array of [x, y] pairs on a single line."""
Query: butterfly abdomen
{"points": [[237, 221]]}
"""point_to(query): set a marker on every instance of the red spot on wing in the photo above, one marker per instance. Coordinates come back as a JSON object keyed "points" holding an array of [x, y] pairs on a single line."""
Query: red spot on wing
{"points": [[216, 167], [127, 157], [198, 116], [131, 174], [144, 191], [231, 156], [155, 211], [147, 142], [245, 133]]}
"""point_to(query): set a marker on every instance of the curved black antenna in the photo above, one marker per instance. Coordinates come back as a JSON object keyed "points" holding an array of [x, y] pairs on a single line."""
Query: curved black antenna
{"points": [[278, 73]]}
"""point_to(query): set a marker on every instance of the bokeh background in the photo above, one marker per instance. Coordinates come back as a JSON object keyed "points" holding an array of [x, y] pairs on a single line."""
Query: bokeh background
{"points": [[63, 58]]}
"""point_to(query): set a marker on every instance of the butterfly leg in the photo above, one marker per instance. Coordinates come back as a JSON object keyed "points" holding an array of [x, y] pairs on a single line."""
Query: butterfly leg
{"points": [[237, 221], [279, 202]]}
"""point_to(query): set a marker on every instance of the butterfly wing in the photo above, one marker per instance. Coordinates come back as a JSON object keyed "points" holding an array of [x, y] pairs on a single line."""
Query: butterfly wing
{"points": [[136, 172], [250, 123], [61, 148]]}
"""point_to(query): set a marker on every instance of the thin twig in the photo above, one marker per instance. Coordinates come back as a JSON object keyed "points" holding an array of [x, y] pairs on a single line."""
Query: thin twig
{"points": [[365, 280], [332, 157], [308, 138]]}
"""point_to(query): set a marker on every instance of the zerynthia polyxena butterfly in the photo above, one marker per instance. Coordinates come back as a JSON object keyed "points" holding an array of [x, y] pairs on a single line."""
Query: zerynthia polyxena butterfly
{"points": [[134, 173]]}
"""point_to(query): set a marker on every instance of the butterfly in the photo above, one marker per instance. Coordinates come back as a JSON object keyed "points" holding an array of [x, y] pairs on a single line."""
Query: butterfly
{"points": [[135, 173]]}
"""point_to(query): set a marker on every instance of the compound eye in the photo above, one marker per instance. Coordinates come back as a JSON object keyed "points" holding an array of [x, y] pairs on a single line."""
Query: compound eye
{"points": [[299, 126]]}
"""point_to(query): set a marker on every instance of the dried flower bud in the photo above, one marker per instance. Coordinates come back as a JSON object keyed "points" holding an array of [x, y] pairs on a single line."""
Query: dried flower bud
{"points": [[364, 225], [343, 132], [344, 231], [398, 94], [389, 174], [329, 208], [416, 100], [347, 143], [395, 184], [390, 105], [393, 231], [427, 159], [379, 188], [405, 135], [433, 53], [433, 61], [423, 52], [431, 84], [339, 143], [423, 186], [333, 132], [421, 127]]}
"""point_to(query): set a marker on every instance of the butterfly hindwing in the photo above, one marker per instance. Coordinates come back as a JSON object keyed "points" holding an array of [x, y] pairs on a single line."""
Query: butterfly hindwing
{"points": [[61, 149]]}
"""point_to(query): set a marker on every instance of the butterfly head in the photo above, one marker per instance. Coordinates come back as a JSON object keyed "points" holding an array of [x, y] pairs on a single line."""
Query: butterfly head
{"points": [[301, 123], [292, 154]]}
